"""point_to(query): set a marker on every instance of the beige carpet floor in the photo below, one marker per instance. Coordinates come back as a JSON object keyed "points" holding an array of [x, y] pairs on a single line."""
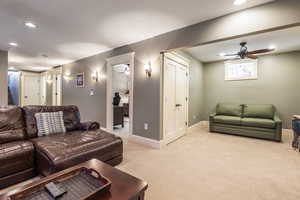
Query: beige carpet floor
{"points": [[213, 166]]}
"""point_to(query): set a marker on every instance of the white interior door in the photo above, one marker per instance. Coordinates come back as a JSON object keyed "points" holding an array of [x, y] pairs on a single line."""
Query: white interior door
{"points": [[175, 100], [31, 89], [181, 100]]}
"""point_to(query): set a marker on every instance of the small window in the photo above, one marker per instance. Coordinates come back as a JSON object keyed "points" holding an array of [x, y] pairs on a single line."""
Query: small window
{"points": [[240, 70]]}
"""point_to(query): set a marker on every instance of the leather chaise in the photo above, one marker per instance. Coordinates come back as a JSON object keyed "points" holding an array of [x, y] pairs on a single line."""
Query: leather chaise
{"points": [[81, 142], [60, 151]]}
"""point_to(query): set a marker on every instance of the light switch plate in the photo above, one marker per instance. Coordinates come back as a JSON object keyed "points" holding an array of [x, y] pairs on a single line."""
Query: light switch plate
{"points": [[146, 126]]}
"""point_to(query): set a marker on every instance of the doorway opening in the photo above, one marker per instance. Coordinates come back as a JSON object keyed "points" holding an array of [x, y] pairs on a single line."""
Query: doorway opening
{"points": [[120, 71], [35, 88]]}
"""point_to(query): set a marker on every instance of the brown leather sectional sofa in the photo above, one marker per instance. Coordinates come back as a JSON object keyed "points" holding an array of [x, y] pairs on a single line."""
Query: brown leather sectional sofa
{"points": [[24, 155]]}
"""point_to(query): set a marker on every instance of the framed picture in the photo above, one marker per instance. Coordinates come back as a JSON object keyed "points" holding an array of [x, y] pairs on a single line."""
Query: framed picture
{"points": [[240, 70], [80, 80]]}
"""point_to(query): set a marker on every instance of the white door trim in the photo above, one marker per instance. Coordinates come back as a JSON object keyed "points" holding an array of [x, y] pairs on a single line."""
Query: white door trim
{"points": [[43, 88], [185, 62], [55, 73], [127, 58]]}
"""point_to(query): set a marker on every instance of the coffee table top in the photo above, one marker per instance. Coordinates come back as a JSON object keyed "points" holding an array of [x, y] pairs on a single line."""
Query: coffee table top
{"points": [[124, 186]]}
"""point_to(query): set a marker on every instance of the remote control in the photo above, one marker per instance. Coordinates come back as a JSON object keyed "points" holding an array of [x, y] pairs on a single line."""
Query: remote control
{"points": [[54, 190]]}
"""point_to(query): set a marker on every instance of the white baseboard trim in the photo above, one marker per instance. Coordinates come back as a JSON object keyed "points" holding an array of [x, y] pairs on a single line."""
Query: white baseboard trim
{"points": [[146, 141], [197, 126]]}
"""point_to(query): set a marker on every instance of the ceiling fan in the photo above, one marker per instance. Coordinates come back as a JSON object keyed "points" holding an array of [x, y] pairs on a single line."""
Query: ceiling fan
{"points": [[244, 53]]}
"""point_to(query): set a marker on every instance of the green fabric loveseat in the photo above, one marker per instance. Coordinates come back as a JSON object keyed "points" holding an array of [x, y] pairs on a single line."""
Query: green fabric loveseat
{"points": [[252, 120]]}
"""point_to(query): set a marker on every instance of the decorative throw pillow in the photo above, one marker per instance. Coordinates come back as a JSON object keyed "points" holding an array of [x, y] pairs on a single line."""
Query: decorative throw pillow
{"points": [[50, 123]]}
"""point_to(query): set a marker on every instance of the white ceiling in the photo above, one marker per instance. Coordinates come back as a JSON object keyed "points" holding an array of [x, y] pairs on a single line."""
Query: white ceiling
{"points": [[284, 40], [72, 29]]}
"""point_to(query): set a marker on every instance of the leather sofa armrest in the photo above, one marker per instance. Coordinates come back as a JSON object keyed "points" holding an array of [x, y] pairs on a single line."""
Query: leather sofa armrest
{"points": [[89, 126]]}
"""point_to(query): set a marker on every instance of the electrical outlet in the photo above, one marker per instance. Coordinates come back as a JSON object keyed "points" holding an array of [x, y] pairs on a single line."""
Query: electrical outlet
{"points": [[92, 92], [146, 126]]}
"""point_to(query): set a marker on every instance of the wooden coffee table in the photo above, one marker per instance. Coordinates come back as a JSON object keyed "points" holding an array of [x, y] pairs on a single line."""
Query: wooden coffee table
{"points": [[123, 187]]}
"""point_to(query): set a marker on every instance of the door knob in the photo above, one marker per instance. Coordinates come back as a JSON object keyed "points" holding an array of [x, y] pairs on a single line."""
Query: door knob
{"points": [[178, 105]]}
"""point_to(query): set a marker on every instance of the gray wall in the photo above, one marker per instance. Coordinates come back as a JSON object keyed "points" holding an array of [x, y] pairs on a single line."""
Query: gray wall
{"points": [[196, 93], [146, 102], [3, 77], [147, 92], [196, 89], [277, 84]]}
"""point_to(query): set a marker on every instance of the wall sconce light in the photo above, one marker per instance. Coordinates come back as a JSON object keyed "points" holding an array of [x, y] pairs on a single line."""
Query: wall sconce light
{"points": [[67, 76], [148, 69], [96, 76], [127, 71], [49, 79]]}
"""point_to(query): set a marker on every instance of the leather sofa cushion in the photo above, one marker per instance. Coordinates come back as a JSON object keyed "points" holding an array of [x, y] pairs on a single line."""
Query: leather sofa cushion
{"points": [[256, 122], [71, 117], [11, 124], [16, 157], [229, 109], [265, 111], [227, 120], [64, 150]]}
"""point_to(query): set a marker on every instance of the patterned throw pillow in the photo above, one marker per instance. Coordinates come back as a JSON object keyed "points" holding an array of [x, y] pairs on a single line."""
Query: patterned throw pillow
{"points": [[50, 123]]}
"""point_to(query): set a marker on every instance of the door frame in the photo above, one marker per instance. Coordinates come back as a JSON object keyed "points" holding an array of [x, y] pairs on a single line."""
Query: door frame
{"points": [[127, 58], [22, 83], [175, 57], [43, 88], [56, 72]]}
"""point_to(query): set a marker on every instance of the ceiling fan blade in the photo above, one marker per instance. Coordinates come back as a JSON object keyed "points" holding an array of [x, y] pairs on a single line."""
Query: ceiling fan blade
{"points": [[260, 51], [251, 56], [227, 55]]}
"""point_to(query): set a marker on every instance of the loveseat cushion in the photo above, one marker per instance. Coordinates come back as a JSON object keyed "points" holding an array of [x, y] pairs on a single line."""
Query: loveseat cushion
{"points": [[265, 111], [227, 120], [16, 157], [12, 126], [257, 122], [60, 151], [229, 109]]}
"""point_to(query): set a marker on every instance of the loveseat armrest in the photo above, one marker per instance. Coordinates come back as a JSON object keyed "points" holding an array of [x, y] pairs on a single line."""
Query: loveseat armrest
{"points": [[277, 119], [278, 123], [89, 126], [211, 116], [211, 121]]}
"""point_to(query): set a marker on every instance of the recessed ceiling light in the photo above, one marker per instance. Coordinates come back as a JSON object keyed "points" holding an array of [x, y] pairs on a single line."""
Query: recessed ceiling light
{"points": [[239, 2], [272, 47], [30, 24], [222, 54], [13, 44]]}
